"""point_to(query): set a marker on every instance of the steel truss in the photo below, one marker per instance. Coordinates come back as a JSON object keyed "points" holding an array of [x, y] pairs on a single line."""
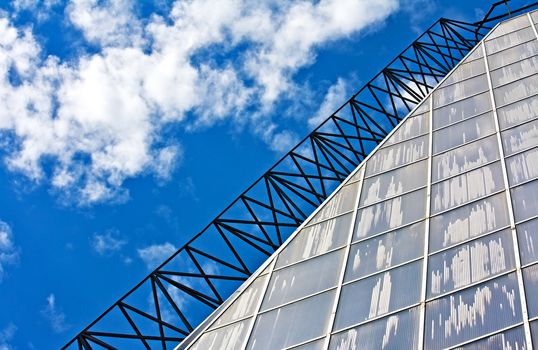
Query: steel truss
{"points": [[165, 307]]}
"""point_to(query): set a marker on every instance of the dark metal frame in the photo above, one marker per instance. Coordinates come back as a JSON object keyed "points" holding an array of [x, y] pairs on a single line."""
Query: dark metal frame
{"points": [[207, 269]]}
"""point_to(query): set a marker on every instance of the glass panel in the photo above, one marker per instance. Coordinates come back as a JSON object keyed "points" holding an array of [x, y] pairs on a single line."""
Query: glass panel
{"points": [[522, 167], [244, 305], [527, 234], [530, 279], [393, 183], [534, 332], [469, 263], [411, 127], [315, 345], [463, 132], [509, 40], [343, 201], [516, 91], [396, 332], [524, 200], [423, 107], [475, 54], [469, 221], [461, 110], [512, 55], [473, 312], [458, 91], [356, 176], [226, 338], [385, 251], [518, 112], [390, 214], [374, 296], [302, 279], [514, 71], [466, 187], [393, 156], [520, 138], [464, 71], [512, 339], [510, 26], [534, 16], [292, 324], [465, 158]]}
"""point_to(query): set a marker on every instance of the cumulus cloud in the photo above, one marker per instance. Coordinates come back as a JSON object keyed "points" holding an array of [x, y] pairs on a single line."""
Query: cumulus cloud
{"points": [[53, 314], [335, 97], [87, 124], [6, 335], [9, 253], [107, 243], [154, 255]]}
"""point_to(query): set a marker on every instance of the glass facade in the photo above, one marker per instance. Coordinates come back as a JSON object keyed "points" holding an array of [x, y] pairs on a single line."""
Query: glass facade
{"points": [[432, 243]]}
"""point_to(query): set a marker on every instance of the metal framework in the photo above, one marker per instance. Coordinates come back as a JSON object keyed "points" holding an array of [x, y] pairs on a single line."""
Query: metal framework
{"points": [[172, 300]]}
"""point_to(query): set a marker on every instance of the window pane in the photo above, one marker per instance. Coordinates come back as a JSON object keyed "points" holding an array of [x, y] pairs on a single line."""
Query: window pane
{"points": [[292, 324], [357, 175], [464, 71], [473, 312], [514, 71], [465, 158], [469, 263], [315, 345], [343, 201], [390, 214], [509, 40], [527, 234], [385, 251], [512, 339], [377, 295], [393, 183], [396, 332], [402, 153], [530, 279], [522, 167], [316, 240], [524, 200], [518, 112], [302, 279], [461, 110], [512, 55], [520, 138], [466, 187], [469, 221], [516, 91], [458, 91], [411, 127], [534, 332], [475, 54], [463, 132], [226, 338], [510, 26]]}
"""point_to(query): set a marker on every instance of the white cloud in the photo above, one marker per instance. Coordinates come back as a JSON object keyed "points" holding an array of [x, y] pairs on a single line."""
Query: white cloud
{"points": [[54, 315], [6, 335], [107, 243], [9, 253], [335, 97], [154, 255]]}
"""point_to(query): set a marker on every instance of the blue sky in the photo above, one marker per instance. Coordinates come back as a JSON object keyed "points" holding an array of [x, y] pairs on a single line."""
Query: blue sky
{"points": [[127, 126]]}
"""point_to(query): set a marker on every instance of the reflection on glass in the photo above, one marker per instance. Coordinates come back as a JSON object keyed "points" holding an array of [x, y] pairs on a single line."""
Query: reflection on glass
{"points": [[534, 332], [357, 176], [411, 127], [527, 234], [530, 279], [402, 153], [512, 339], [473, 312], [513, 54], [469, 221], [520, 138], [524, 200], [397, 332], [469, 263], [315, 345], [226, 338], [509, 26], [509, 40], [463, 132], [377, 295], [343, 201], [518, 112], [522, 167], [514, 71], [516, 91], [465, 70], [461, 110], [458, 91], [385, 251]]}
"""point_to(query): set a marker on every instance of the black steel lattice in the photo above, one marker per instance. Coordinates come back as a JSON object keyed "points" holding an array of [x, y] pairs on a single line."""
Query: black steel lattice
{"points": [[206, 270]]}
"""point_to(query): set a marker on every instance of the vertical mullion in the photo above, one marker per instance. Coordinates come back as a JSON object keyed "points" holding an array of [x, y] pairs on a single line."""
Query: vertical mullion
{"points": [[422, 320], [519, 274], [332, 316]]}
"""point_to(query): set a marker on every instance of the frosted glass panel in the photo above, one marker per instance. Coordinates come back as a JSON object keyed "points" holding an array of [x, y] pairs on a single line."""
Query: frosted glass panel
{"points": [[534, 332], [512, 339], [463, 132], [527, 234], [509, 40], [465, 158], [316, 240], [510, 26], [473, 312], [357, 176], [302, 279], [343, 201], [458, 91], [377, 295], [466, 187], [461, 110], [524, 200], [411, 127], [464, 71], [393, 183], [514, 71], [315, 345], [385, 251], [522, 167], [518, 112], [469, 263], [396, 332], [225, 338], [513, 54], [390, 214], [393, 156], [520, 138], [530, 279], [469, 221], [516, 91], [292, 324]]}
